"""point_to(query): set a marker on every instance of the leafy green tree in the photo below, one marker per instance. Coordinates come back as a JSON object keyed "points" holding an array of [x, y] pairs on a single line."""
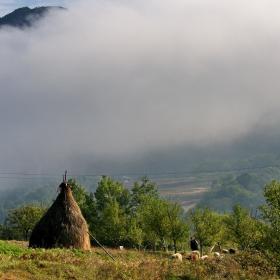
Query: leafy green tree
{"points": [[135, 233], [112, 202], [249, 182], [150, 239], [225, 193], [108, 190], [3, 214], [270, 213], [21, 221], [178, 227], [242, 229], [206, 225], [229, 179], [113, 224], [153, 213], [90, 213], [140, 192], [78, 192], [164, 220]]}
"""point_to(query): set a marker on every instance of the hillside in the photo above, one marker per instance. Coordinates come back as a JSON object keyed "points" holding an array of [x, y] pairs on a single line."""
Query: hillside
{"points": [[26, 17]]}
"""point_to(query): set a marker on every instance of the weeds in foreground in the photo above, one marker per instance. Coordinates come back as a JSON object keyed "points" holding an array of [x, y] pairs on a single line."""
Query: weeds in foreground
{"points": [[18, 262]]}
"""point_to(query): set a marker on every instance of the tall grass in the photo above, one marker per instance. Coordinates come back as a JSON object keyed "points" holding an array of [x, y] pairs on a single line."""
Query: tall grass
{"points": [[18, 262]]}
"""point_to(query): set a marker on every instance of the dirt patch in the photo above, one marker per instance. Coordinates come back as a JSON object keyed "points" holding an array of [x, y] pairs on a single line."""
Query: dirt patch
{"points": [[23, 244]]}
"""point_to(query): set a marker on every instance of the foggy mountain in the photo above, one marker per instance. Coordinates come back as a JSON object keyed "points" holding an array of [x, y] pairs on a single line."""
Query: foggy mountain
{"points": [[121, 87], [26, 17]]}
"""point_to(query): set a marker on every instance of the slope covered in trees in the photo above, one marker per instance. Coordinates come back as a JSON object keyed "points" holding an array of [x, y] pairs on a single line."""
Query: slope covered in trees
{"points": [[242, 181]]}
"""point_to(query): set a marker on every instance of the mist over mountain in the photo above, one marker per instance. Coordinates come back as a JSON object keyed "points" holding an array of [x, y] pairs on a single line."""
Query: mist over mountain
{"points": [[137, 87], [25, 17]]}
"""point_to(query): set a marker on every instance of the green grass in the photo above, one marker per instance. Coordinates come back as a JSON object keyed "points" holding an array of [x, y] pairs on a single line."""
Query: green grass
{"points": [[10, 250], [19, 262]]}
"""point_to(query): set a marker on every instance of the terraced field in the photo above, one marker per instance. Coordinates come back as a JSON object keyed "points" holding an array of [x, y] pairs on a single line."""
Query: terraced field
{"points": [[186, 191]]}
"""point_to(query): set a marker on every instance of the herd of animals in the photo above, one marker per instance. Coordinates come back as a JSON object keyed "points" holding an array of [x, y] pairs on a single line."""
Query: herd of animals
{"points": [[195, 255]]}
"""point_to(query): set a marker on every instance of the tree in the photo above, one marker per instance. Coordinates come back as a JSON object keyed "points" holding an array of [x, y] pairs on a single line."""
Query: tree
{"points": [[178, 228], [206, 225], [153, 213], [241, 228], [21, 221], [140, 192], [249, 181], [78, 192], [113, 224], [112, 207], [90, 213], [164, 220], [108, 190], [135, 233], [270, 213]]}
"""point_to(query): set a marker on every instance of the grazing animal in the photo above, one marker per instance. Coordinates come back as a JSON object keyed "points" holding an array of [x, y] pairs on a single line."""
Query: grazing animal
{"points": [[229, 251], [177, 256], [204, 257], [192, 257], [232, 251], [216, 254], [196, 252]]}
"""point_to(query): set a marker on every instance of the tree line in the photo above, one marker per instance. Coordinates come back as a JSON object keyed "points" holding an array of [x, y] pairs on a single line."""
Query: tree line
{"points": [[227, 186], [115, 215], [139, 218]]}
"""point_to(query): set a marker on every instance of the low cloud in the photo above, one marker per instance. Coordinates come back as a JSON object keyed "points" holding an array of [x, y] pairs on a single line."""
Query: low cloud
{"points": [[121, 81]]}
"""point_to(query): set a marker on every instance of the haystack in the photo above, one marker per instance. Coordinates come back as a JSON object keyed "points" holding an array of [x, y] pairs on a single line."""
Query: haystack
{"points": [[63, 225]]}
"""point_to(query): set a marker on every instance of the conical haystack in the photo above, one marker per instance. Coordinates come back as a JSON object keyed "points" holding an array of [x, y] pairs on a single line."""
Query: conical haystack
{"points": [[63, 225]]}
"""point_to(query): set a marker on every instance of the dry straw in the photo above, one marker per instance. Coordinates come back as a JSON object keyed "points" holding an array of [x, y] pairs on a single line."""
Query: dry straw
{"points": [[63, 225]]}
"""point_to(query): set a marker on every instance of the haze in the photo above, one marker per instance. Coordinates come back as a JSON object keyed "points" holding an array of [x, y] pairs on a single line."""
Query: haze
{"points": [[140, 86]]}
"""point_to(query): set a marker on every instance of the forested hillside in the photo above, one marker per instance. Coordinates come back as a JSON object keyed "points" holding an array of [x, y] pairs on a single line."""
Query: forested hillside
{"points": [[240, 180]]}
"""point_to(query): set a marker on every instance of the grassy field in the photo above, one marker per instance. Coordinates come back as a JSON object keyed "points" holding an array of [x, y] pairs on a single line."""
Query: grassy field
{"points": [[185, 191], [19, 262]]}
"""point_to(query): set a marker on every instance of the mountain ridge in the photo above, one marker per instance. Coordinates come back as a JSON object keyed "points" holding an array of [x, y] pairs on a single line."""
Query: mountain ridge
{"points": [[26, 17]]}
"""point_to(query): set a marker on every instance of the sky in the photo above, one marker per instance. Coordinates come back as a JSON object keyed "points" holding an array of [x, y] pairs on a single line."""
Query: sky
{"points": [[138, 86]]}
